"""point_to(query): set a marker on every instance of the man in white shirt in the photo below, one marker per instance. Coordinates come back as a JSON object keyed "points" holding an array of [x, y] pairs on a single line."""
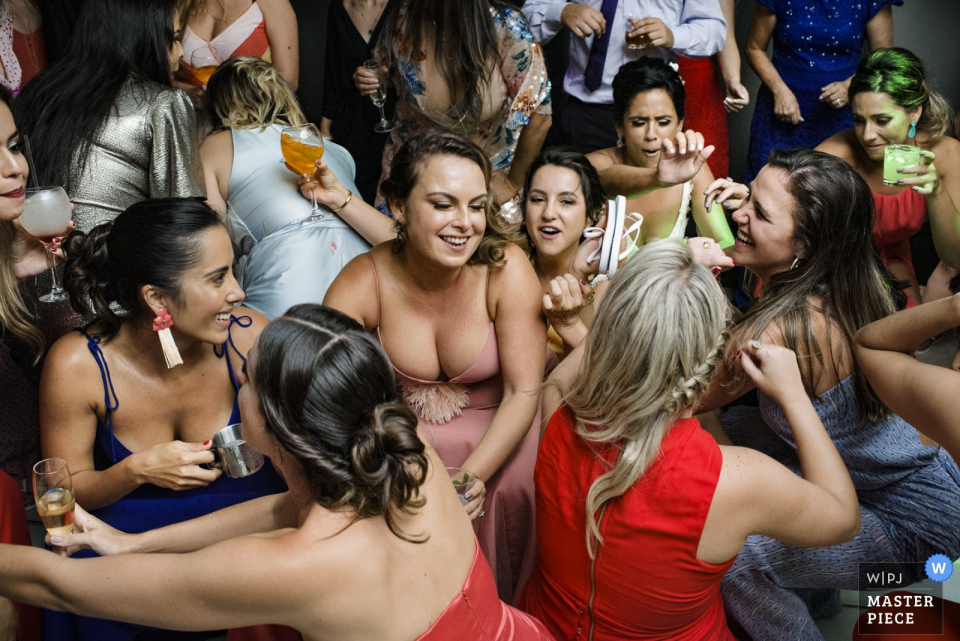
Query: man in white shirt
{"points": [[598, 48]]}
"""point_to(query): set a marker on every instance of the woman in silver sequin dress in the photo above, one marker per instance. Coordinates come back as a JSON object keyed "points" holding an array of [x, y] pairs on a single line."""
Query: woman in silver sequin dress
{"points": [[104, 121]]}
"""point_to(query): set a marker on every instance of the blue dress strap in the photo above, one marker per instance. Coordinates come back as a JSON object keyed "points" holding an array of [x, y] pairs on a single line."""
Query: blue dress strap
{"points": [[242, 321], [111, 402]]}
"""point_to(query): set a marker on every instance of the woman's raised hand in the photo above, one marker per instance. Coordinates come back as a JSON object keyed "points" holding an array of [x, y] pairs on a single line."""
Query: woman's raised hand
{"points": [[681, 159], [563, 300], [707, 252], [774, 370], [725, 191], [927, 178], [90, 533], [176, 465], [323, 185], [366, 81]]}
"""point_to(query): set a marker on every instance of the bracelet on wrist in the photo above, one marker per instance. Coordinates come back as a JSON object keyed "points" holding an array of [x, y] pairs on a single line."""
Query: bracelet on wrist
{"points": [[345, 203]]}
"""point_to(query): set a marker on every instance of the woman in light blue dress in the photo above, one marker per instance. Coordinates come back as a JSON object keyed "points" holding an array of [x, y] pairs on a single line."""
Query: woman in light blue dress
{"points": [[284, 259]]}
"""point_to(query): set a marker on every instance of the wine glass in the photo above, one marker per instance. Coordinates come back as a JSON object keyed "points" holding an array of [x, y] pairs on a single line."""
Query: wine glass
{"points": [[302, 147], [380, 98], [203, 62], [53, 490], [46, 215]]}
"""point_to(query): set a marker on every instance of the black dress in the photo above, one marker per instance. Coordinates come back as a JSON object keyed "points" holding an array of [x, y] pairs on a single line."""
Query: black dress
{"points": [[353, 114]]}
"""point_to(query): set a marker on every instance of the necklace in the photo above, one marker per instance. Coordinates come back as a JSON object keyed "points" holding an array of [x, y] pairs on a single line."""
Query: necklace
{"points": [[356, 7]]}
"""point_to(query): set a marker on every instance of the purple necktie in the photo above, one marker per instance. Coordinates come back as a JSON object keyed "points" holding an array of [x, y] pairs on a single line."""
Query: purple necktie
{"points": [[593, 76]]}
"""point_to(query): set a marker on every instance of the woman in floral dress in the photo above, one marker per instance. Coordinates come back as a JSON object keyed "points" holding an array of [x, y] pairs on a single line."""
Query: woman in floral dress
{"points": [[485, 79]]}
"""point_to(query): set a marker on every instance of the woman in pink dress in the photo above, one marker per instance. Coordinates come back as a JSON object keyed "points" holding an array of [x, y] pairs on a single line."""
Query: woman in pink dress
{"points": [[457, 309], [220, 29]]}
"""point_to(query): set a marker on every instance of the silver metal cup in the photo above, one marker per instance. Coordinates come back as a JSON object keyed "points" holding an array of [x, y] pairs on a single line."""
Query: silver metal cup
{"points": [[235, 457]]}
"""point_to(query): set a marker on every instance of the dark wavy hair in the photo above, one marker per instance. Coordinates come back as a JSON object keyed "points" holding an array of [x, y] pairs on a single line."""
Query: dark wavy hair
{"points": [[66, 105], [840, 266], [153, 242], [900, 74], [646, 74], [330, 398], [594, 196], [407, 169], [466, 45]]}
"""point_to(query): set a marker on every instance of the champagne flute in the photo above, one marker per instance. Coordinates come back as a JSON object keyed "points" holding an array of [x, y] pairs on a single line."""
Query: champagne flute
{"points": [[53, 490], [380, 98], [46, 215], [302, 147]]}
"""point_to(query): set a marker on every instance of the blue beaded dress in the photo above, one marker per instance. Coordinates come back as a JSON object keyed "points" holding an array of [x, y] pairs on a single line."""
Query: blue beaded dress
{"points": [[815, 42]]}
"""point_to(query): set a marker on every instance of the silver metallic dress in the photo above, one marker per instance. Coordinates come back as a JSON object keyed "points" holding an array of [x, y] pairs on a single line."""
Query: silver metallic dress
{"points": [[147, 148]]}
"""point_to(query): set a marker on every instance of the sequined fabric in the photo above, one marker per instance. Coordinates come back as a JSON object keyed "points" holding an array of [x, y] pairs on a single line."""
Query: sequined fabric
{"points": [[148, 148]]}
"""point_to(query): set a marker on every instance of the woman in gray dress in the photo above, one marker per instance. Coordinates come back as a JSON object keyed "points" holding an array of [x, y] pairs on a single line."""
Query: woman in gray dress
{"points": [[285, 259], [104, 121]]}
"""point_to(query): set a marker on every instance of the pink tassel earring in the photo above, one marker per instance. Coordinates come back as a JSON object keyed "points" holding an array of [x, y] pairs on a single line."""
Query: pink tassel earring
{"points": [[162, 324]]}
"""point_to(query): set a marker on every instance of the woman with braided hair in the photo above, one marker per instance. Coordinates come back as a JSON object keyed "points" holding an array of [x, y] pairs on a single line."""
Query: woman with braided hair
{"points": [[370, 541], [639, 512]]}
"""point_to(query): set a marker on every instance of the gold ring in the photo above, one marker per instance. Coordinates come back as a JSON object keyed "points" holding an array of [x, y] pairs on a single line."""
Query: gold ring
{"points": [[706, 244]]}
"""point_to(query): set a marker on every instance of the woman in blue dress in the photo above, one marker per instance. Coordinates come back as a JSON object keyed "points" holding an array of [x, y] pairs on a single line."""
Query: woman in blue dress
{"points": [[816, 49], [286, 260], [134, 432]]}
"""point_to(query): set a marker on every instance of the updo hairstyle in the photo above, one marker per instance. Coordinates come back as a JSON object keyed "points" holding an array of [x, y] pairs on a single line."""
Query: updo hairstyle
{"points": [[900, 74], [646, 74], [154, 242], [329, 397]]}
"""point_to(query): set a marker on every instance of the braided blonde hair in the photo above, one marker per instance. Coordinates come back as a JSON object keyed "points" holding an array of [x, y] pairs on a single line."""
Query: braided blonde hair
{"points": [[659, 334]]}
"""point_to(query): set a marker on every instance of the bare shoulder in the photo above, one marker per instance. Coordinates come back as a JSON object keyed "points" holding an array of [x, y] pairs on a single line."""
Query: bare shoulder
{"points": [[355, 289], [516, 276], [603, 158], [947, 151], [70, 359], [269, 7], [217, 146], [840, 145]]}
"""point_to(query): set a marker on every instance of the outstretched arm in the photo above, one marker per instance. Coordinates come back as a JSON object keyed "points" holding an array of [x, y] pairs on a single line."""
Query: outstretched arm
{"points": [[923, 395]]}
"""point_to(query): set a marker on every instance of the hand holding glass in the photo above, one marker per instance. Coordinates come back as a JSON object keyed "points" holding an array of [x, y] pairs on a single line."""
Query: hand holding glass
{"points": [[635, 42], [380, 98], [302, 147], [462, 481], [46, 215], [203, 62], [53, 490], [898, 157]]}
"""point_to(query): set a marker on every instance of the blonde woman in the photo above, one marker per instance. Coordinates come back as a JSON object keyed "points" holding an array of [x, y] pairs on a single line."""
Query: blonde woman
{"points": [[639, 512], [285, 260]]}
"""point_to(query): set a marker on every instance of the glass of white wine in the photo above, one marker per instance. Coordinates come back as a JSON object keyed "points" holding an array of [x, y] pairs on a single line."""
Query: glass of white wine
{"points": [[46, 215], [380, 98], [53, 489]]}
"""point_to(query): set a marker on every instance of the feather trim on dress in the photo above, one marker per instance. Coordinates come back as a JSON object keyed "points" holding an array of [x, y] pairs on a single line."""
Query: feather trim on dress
{"points": [[437, 403]]}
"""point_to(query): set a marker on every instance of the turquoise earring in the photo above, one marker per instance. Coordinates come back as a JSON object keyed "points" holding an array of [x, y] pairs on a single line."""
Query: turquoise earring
{"points": [[913, 129]]}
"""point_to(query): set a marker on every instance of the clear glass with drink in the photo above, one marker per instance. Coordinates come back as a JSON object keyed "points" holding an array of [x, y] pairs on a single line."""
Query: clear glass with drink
{"points": [[302, 147], [462, 481], [898, 157], [635, 42], [380, 98], [53, 490], [203, 62], [46, 215]]}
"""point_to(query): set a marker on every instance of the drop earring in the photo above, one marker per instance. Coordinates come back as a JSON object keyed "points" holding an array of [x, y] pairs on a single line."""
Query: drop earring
{"points": [[162, 324], [796, 261], [620, 142], [913, 129]]}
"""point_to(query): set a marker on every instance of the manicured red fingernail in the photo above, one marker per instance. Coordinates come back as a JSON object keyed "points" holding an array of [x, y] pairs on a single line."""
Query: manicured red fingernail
{"points": [[734, 262], [583, 282], [57, 239], [207, 442], [715, 270]]}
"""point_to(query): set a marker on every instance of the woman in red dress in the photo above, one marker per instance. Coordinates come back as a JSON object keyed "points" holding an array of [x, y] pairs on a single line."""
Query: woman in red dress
{"points": [[639, 512]]}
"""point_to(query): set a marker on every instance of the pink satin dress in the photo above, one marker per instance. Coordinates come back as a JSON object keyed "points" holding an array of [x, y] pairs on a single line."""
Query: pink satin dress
{"points": [[454, 415]]}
